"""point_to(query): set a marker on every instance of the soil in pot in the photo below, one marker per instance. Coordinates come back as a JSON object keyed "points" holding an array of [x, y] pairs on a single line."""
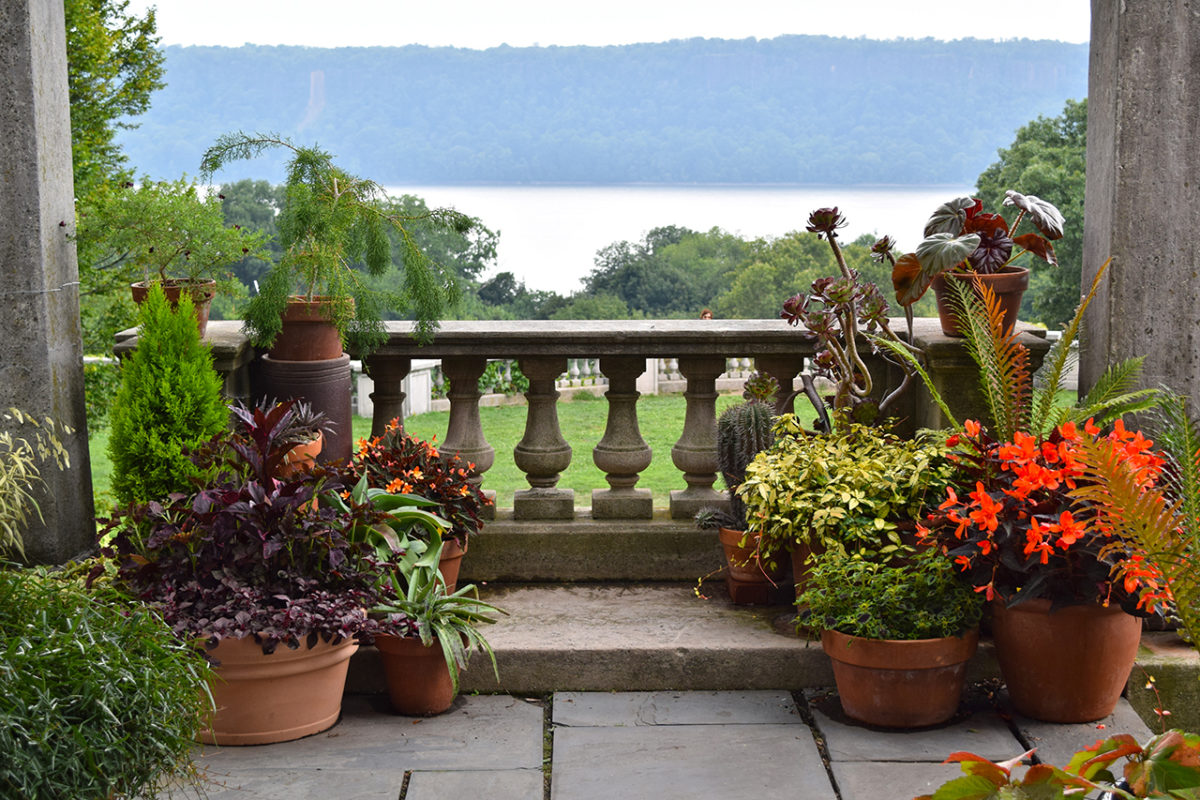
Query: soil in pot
{"points": [[289, 694], [1008, 285], [418, 677], [1068, 666], [900, 684]]}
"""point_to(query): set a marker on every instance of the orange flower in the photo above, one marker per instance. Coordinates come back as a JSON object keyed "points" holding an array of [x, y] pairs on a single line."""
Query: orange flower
{"points": [[986, 515], [972, 427], [1071, 530]]}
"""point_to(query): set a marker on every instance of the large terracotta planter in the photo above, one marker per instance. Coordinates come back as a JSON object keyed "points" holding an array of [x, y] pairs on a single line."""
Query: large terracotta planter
{"points": [[450, 564], [201, 292], [418, 677], [1066, 666], [1008, 285], [900, 684], [262, 699], [308, 333]]}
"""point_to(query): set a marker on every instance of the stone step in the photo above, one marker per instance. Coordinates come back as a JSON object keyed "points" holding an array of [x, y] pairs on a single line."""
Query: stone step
{"points": [[637, 637], [585, 549]]}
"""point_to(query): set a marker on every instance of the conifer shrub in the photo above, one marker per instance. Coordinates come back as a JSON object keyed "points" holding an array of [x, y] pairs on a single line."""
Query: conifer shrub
{"points": [[169, 403]]}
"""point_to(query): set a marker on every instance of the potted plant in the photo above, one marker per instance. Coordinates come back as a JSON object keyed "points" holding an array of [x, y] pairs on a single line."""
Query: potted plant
{"points": [[422, 668], [399, 463], [295, 429], [331, 221], [264, 578], [856, 490], [743, 431], [899, 632], [964, 243], [838, 311], [1063, 619], [169, 402], [1117, 767], [169, 233]]}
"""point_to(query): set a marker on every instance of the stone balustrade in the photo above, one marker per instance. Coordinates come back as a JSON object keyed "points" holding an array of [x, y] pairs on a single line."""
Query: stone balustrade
{"points": [[544, 350]]}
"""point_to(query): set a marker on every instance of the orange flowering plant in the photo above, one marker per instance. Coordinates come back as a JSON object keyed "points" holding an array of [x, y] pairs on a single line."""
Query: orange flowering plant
{"points": [[403, 464], [1017, 532]]}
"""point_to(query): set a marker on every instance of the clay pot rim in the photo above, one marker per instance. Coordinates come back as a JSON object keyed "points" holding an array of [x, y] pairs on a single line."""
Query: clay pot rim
{"points": [[861, 651]]}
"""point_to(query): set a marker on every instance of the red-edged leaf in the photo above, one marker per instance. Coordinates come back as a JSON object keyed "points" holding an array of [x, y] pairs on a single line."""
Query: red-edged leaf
{"points": [[1042, 213], [1038, 246], [908, 280], [950, 217], [986, 224], [1090, 760], [983, 768]]}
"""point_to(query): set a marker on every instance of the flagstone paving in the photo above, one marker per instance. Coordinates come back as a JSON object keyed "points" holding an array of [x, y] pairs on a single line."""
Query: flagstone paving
{"points": [[656, 745]]}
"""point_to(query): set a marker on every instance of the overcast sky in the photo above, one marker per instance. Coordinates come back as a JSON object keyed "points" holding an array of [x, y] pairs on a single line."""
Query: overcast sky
{"points": [[487, 23]]}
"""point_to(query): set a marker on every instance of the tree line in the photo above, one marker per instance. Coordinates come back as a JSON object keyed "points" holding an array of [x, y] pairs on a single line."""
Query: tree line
{"points": [[794, 109]]}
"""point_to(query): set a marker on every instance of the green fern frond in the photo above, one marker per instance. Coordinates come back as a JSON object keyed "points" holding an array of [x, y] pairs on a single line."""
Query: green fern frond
{"points": [[1178, 437], [1002, 360], [1154, 520], [1061, 359]]}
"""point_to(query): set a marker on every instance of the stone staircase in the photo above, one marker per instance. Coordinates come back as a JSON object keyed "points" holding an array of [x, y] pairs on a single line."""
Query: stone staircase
{"points": [[611, 606], [597, 605]]}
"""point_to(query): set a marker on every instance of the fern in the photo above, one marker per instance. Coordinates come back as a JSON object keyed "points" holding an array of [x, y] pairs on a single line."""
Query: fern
{"points": [[1114, 395], [1163, 521], [1002, 360]]}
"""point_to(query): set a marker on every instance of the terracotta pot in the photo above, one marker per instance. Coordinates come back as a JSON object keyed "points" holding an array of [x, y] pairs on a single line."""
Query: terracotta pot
{"points": [[451, 562], [262, 699], [1066, 666], [900, 684], [743, 562], [418, 677], [202, 293], [1009, 286], [302, 457], [308, 333], [800, 566]]}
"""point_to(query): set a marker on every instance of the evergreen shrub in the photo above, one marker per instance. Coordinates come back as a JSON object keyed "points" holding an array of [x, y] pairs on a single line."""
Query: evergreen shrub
{"points": [[169, 403]]}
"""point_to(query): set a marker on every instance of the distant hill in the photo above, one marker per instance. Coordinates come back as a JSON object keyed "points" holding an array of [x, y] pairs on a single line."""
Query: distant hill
{"points": [[795, 109]]}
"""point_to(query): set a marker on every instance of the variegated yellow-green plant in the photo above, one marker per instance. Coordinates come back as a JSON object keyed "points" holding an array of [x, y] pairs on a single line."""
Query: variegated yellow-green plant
{"points": [[25, 443]]}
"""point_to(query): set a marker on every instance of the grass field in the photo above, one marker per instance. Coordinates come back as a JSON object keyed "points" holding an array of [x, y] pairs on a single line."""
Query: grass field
{"points": [[582, 420]]}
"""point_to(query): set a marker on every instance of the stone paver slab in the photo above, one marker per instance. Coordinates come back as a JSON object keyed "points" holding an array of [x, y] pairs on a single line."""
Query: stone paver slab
{"points": [[1056, 743], [873, 780], [983, 732], [587, 709], [507, 784], [683, 762], [495, 732], [298, 784]]}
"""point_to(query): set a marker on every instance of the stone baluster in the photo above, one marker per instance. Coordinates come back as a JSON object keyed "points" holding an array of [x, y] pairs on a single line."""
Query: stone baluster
{"points": [[695, 454], [464, 431], [784, 369], [622, 454], [388, 374], [543, 453], [573, 372]]}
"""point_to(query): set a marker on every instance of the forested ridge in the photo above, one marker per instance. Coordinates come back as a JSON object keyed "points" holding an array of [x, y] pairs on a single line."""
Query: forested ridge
{"points": [[794, 109]]}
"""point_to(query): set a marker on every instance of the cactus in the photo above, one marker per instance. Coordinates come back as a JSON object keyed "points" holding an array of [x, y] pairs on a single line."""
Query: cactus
{"points": [[743, 431]]}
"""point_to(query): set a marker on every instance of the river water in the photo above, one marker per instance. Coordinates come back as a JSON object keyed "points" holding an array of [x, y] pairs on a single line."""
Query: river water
{"points": [[549, 235]]}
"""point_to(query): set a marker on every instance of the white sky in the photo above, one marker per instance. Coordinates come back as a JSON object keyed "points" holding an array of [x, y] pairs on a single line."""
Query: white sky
{"points": [[487, 23]]}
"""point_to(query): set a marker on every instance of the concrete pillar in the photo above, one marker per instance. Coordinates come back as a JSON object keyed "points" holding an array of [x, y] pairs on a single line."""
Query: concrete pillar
{"points": [[1143, 190], [622, 454], [464, 429], [695, 454], [41, 359], [543, 453]]}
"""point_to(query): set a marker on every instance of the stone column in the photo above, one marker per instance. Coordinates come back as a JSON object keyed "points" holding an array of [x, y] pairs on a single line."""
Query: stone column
{"points": [[41, 359], [784, 369], [1143, 160], [622, 454], [388, 374], [695, 454], [543, 453], [464, 430]]}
